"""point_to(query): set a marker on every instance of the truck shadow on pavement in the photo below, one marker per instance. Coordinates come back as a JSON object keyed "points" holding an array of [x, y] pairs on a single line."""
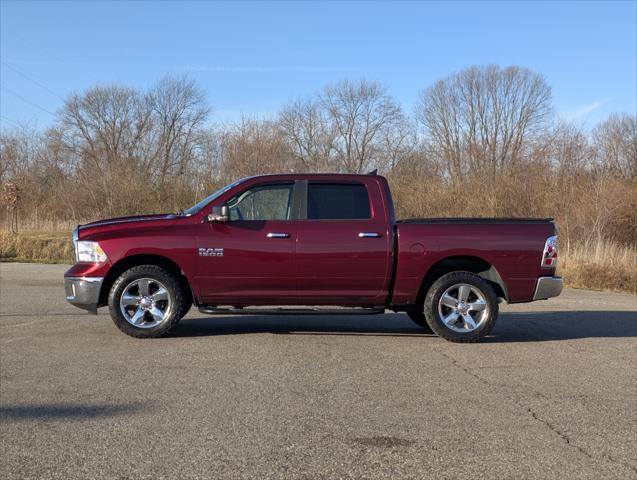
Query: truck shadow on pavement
{"points": [[64, 411], [511, 326], [550, 326]]}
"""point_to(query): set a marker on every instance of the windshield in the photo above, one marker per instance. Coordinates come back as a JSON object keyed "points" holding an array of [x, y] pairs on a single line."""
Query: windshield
{"points": [[202, 203]]}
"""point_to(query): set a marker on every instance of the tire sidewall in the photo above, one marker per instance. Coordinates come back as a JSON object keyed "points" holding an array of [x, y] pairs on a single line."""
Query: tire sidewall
{"points": [[437, 290], [156, 273]]}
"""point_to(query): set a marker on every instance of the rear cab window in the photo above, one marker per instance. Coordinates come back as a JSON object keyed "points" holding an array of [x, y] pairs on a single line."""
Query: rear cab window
{"points": [[337, 201]]}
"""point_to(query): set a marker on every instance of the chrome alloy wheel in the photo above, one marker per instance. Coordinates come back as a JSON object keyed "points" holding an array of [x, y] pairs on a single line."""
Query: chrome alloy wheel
{"points": [[463, 308], [145, 303]]}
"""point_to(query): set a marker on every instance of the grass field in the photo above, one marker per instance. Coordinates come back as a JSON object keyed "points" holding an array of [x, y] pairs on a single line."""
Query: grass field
{"points": [[595, 265], [600, 266], [36, 246]]}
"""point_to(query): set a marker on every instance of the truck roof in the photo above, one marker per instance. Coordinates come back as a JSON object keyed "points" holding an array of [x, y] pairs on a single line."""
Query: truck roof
{"points": [[310, 176]]}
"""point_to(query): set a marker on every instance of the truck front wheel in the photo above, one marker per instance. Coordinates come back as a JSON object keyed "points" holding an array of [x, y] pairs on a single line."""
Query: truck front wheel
{"points": [[147, 301], [461, 307]]}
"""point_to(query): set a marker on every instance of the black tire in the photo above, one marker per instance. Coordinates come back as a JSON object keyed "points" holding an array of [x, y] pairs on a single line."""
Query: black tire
{"points": [[418, 317], [184, 311], [436, 291], [187, 304], [177, 295]]}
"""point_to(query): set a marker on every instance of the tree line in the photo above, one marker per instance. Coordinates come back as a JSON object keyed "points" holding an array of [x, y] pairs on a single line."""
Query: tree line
{"points": [[485, 141]]}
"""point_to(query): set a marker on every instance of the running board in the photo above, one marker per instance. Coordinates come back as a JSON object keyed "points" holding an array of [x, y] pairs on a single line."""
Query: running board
{"points": [[209, 310]]}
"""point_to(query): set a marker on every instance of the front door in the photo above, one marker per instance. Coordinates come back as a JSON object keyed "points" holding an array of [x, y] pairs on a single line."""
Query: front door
{"points": [[343, 253], [250, 258]]}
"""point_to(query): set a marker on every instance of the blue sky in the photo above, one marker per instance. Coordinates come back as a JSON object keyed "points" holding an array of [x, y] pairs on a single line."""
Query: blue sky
{"points": [[252, 57]]}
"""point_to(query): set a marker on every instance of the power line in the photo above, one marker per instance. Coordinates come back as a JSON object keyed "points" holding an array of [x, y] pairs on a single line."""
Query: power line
{"points": [[27, 101], [36, 46], [32, 79], [10, 121]]}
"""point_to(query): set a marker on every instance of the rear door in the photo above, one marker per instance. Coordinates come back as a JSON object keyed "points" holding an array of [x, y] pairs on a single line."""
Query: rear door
{"points": [[343, 251]]}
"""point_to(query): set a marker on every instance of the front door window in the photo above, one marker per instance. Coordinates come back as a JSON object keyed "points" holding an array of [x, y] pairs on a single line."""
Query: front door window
{"points": [[266, 202]]}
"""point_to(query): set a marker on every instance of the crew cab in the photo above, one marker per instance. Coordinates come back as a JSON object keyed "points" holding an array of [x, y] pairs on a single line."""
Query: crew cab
{"points": [[303, 242]]}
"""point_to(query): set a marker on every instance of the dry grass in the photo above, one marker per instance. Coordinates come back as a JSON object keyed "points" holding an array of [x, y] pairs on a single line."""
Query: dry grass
{"points": [[600, 265], [594, 265], [36, 246]]}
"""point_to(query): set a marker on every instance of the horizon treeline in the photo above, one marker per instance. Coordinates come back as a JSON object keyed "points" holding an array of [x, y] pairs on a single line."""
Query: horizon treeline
{"points": [[481, 142]]}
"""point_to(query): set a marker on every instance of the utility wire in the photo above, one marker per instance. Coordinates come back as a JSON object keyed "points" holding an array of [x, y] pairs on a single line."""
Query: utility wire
{"points": [[27, 101], [5, 119], [32, 79], [34, 45]]}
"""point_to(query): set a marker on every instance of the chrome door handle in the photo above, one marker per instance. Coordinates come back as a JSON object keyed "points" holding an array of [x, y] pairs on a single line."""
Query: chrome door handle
{"points": [[278, 235], [369, 235]]}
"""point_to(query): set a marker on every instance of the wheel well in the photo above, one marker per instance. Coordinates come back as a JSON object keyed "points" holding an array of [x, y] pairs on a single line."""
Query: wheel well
{"points": [[475, 265], [134, 260]]}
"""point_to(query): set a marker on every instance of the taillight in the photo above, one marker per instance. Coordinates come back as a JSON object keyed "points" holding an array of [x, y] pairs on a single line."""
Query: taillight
{"points": [[549, 256]]}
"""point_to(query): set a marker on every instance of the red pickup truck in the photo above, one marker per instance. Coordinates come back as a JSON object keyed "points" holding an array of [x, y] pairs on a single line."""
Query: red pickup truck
{"points": [[311, 240]]}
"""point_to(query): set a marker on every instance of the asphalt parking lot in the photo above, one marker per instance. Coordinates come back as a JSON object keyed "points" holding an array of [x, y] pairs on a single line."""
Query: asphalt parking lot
{"points": [[551, 394]]}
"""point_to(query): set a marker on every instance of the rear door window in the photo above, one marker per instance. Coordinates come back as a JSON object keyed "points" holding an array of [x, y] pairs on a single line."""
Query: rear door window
{"points": [[337, 201]]}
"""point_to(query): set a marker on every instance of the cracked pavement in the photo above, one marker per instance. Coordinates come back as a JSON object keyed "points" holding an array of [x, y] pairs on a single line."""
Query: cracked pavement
{"points": [[551, 394]]}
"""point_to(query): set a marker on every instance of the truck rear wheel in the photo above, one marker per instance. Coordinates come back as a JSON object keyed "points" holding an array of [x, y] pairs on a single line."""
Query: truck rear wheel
{"points": [[461, 307], [147, 301]]}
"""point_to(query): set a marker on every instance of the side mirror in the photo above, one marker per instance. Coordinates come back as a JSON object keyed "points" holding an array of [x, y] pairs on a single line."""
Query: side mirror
{"points": [[220, 214]]}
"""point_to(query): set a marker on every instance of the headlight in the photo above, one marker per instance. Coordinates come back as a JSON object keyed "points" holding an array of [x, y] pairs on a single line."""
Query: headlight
{"points": [[90, 252]]}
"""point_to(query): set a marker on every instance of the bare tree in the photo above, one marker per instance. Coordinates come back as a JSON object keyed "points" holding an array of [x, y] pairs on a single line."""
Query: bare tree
{"points": [[310, 135], [17, 151], [360, 113], [179, 110], [569, 148], [482, 118], [566, 152], [11, 149], [398, 144], [104, 129], [616, 144], [127, 144], [254, 147]]}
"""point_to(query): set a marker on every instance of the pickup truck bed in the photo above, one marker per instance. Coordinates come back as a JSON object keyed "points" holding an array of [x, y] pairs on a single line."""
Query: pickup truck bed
{"points": [[466, 220], [506, 252]]}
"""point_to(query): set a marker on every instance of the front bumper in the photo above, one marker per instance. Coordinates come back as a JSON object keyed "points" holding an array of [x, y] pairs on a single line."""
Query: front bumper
{"points": [[83, 292], [548, 287]]}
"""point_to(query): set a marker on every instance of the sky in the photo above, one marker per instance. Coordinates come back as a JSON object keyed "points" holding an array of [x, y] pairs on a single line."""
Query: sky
{"points": [[252, 57]]}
